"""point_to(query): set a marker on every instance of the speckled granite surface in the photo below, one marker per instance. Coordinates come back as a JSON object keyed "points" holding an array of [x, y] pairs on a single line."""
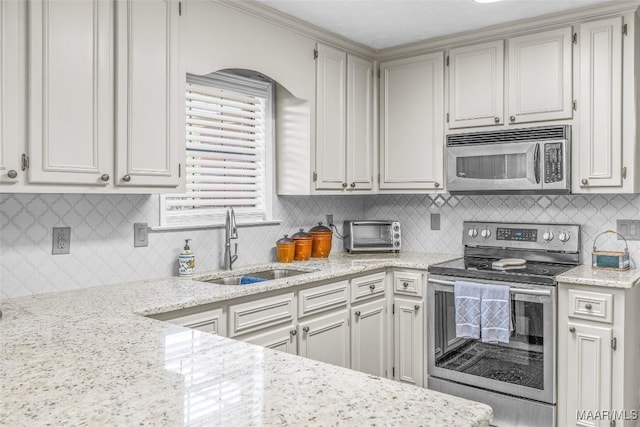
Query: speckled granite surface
{"points": [[84, 358], [585, 275]]}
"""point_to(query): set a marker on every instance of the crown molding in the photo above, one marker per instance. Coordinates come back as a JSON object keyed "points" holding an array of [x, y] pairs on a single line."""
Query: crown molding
{"points": [[260, 11], [514, 28]]}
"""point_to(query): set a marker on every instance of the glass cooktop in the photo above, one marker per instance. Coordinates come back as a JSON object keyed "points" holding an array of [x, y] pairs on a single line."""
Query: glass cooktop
{"points": [[481, 268]]}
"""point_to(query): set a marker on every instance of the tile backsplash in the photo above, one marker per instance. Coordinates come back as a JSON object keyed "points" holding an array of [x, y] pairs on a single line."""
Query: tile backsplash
{"points": [[102, 249]]}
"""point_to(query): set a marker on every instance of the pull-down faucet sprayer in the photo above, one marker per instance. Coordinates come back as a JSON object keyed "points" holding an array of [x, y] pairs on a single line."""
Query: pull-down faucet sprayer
{"points": [[230, 232]]}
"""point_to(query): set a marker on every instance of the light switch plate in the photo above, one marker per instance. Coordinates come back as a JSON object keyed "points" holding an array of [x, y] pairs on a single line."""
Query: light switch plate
{"points": [[140, 234], [61, 240], [628, 228], [435, 221]]}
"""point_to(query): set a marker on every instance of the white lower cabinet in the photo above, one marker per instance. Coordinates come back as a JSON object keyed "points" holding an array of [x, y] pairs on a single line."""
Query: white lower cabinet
{"points": [[203, 318], [326, 338], [281, 338], [369, 337], [409, 340]]}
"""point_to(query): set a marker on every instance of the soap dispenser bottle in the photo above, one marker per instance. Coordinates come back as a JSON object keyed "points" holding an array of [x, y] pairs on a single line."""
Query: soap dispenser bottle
{"points": [[186, 261]]}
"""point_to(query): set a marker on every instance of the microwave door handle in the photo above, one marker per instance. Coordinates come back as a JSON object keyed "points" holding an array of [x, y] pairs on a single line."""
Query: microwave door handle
{"points": [[536, 163]]}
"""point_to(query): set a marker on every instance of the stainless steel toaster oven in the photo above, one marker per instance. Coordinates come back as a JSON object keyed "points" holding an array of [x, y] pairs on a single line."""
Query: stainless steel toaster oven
{"points": [[372, 235]]}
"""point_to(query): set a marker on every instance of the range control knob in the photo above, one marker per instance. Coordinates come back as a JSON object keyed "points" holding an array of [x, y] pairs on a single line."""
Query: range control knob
{"points": [[473, 232], [486, 233], [547, 236], [564, 236]]}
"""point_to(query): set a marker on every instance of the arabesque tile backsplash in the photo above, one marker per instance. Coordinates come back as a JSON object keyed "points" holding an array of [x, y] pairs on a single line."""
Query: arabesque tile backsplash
{"points": [[102, 249]]}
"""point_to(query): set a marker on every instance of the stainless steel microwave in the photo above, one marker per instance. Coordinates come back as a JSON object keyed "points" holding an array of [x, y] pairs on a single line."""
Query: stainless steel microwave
{"points": [[516, 161], [372, 235]]}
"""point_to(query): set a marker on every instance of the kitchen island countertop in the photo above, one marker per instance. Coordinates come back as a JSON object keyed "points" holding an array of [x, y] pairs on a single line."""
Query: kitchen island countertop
{"points": [[87, 357]]}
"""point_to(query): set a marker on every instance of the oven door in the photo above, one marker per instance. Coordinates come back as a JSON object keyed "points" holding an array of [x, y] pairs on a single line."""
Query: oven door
{"points": [[525, 367], [494, 167], [372, 235]]}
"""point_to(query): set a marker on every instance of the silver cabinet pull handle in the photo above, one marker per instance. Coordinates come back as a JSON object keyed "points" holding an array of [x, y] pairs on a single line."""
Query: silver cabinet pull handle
{"points": [[372, 287], [293, 332], [12, 174], [416, 307], [588, 306], [353, 185], [572, 330], [405, 284], [105, 177], [512, 118], [357, 313], [344, 185], [584, 182], [496, 119], [126, 178], [305, 329], [437, 184]]}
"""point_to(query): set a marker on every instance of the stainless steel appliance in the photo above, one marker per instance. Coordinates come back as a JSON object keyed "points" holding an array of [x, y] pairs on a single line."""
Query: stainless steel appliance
{"points": [[517, 379], [528, 160], [372, 235]]}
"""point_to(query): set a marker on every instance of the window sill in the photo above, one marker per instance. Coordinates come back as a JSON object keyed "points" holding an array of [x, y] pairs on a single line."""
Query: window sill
{"points": [[167, 228]]}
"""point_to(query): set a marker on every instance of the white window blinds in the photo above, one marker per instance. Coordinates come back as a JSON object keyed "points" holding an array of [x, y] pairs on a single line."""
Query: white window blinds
{"points": [[226, 145]]}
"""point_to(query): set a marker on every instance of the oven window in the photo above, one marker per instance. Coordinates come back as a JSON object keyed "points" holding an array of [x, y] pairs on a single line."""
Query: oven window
{"points": [[520, 362], [502, 166], [372, 235]]}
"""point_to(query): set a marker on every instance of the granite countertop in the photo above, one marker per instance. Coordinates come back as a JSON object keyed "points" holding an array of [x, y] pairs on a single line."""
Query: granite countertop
{"points": [[85, 358], [586, 275]]}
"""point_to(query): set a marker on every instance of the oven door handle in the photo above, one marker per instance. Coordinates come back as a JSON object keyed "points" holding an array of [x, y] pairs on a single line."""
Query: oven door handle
{"points": [[514, 291], [536, 163]]}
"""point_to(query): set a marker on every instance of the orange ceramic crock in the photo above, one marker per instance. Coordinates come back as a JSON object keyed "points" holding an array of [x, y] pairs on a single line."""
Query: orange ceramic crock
{"points": [[321, 241]]}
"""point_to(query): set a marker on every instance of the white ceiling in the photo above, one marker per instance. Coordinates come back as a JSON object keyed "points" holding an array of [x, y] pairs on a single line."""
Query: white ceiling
{"points": [[386, 23]]}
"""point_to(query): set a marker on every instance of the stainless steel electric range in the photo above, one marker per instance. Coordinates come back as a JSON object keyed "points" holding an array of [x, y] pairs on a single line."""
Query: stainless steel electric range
{"points": [[518, 378]]}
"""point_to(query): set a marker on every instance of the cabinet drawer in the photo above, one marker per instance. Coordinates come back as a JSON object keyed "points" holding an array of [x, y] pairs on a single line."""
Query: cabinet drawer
{"points": [[407, 283], [253, 315], [321, 298], [594, 306], [211, 320], [368, 286]]}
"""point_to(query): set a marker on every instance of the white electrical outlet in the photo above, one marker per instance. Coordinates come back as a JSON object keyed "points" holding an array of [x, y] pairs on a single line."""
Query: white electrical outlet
{"points": [[329, 219], [61, 240]]}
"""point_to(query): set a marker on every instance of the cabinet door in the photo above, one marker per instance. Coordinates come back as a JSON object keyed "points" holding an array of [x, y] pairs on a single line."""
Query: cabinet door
{"points": [[359, 124], [70, 92], [326, 338], [600, 145], [476, 81], [11, 143], [368, 337], [588, 373], [540, 76], [409, 341], [330, 118], [412, 123], [280, 338], [150, 120]]}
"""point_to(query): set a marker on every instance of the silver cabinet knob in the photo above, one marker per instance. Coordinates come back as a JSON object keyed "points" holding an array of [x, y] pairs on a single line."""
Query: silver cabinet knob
{"points": [[126, 178], [416, 307], [305, 329], [12, 174], [584, 182], [572, 330], [405, 284], [436, 184], [293, 332], [353, 185], [496, 119], [357, 313], [344, 185], [105, 177], [588, 306], [372, 287], [512, 118]]}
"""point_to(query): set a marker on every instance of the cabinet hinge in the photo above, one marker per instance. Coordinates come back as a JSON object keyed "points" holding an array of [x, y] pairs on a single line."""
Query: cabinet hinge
{"points": [[349, 321], [315, 53], [179, 8], [575, 38], [315, 176], [25, 162], [447, 61], [447, 117], [614, 343], [624, 172], [393, 372], [378, 178], [624, 29], [393, 309], [179, 170], [575, 105]]}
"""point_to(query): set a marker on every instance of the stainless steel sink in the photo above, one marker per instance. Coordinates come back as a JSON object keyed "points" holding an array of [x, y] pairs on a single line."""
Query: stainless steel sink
{"points": [[278, 273]]}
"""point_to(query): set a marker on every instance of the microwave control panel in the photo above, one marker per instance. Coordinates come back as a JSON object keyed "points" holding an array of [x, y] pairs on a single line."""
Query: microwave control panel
{"points": [[553, 162]]}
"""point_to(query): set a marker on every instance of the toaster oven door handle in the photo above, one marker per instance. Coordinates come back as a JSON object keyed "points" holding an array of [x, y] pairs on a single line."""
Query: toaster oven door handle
{"points": [[514, 291], [536, 163]]}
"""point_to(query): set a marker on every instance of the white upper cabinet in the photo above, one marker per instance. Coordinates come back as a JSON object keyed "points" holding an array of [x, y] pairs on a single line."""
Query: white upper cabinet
{"points": [[10, 100], [540, 76], [344, 121], [70, 118], [600, 113], [331, 74], [412, 123], [150, 118], [476, 80]]}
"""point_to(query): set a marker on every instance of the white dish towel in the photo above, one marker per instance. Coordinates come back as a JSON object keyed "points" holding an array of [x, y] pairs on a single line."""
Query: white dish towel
{"points": [[495, 309], [468, 296]]}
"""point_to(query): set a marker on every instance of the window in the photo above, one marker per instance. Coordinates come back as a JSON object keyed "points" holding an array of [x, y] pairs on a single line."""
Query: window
{"points": [[228, 143]]}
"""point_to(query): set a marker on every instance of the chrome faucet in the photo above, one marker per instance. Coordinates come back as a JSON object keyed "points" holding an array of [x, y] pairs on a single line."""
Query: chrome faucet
{"points": [[230, 232]]}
